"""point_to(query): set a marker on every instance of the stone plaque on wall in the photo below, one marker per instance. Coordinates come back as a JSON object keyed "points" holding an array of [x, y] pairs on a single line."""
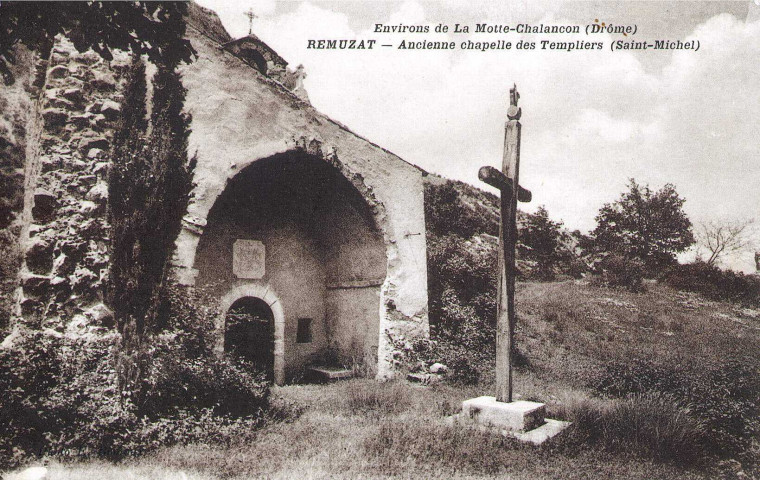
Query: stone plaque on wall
{"points": [[248, 259]]}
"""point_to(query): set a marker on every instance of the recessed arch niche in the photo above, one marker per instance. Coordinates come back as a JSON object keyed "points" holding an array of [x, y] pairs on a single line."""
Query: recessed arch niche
{"points": [[321, 249]]}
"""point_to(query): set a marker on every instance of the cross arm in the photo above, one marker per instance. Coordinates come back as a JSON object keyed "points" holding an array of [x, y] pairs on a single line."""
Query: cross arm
{"points": [[497, 179]]}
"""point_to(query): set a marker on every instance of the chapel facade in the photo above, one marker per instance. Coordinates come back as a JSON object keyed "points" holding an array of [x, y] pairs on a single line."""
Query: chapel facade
{"points": [[295, 221]]}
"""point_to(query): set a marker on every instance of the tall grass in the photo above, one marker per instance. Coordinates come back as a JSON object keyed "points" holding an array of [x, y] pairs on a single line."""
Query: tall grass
{"points": [[652, 425], [462, 448], [364, 397]]}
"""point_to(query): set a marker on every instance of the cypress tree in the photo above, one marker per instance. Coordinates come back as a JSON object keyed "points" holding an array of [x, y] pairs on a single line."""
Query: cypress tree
{"points": [[149, 187]]}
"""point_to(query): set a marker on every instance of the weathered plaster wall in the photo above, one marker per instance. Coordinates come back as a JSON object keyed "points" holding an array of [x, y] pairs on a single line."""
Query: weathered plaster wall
{"points": [[293, 269], [356, 269], [240, 116], [353, 323]]}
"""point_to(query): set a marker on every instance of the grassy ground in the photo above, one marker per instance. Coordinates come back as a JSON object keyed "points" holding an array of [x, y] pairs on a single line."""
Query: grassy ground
{"points": [[362, 429], [568, 333]]}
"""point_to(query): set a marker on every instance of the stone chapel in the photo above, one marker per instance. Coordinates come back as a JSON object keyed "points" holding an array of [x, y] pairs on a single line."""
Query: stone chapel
{"points": [[316, 231]]}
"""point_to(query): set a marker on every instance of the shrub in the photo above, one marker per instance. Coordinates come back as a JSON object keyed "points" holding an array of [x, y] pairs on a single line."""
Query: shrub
{"points": [[446, 211], [183, 371], [545, 242], [61, 396], [724, 396], [464, 366], [653, 425], [714, 283], [52, 385], [174, 382], [149, 185], [462, 293], [616, 270], [643, 224]]}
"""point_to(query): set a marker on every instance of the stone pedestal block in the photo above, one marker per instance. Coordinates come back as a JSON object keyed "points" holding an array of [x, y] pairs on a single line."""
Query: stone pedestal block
{"points": [[522, 420], [518, 416]]}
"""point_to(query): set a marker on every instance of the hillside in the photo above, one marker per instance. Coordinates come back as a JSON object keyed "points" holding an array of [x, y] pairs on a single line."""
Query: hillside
{"points": [[455, 208], [577, 334]]}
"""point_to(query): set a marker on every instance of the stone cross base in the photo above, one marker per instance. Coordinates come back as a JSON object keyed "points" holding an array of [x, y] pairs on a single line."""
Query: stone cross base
{"points": [[523, 420]]}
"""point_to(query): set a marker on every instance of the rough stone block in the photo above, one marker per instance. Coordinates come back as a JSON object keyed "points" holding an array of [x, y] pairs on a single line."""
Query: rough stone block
{"points": [[88, 58], [82, 121], [39, 256], [110, 109], [30, 307], [35, 285], [98, 193], [438, 368], [424, 378], [94, 153], [517, 416], [59, 71], [74, 94], [44, 205], [103, 80], [88, 143], [88, 208], [98, 120], [54, 118], [88, 180], [100, 169]]}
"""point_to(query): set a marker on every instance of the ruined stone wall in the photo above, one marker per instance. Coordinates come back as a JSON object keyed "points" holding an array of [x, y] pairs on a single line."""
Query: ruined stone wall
{"points": [[65, 234]]}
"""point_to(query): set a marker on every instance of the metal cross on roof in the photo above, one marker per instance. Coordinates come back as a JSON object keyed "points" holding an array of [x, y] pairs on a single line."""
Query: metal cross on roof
{"points": [[250, 16]]}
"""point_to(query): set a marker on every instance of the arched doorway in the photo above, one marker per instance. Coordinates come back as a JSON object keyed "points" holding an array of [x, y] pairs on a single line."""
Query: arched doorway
{"points": [[249, 333]]}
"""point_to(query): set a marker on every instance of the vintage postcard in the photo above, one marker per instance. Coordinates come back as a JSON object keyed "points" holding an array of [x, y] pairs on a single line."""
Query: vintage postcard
{"points": [[379, 239]]}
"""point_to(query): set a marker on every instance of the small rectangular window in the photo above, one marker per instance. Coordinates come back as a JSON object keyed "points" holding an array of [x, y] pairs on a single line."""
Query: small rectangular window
{"points": [[303, 334]]}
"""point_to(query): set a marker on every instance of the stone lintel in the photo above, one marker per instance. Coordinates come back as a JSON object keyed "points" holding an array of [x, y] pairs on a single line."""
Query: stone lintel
{"points": [[519, 416]]}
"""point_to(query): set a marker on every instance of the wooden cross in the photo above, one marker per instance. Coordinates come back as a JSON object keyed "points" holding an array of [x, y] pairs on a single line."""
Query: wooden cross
{"points": [[507, 181], [250, 16]]}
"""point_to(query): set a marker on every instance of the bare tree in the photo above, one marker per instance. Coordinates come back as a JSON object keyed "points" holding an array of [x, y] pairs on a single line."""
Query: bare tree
{"points": [[722, 239]]}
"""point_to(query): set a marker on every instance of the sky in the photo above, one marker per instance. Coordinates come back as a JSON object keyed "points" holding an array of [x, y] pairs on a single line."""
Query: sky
{"points": [[591, 119]]}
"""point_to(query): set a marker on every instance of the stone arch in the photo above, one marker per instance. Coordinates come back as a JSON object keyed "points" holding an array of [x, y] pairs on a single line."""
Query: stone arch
{"points": [[262, 290], [342, 246], [208, 190]]}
